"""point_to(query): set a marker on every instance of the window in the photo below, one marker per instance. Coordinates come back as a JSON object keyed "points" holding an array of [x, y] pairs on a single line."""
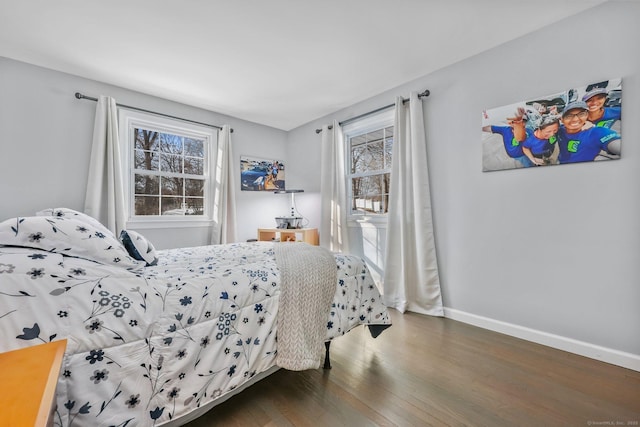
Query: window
{"points": [[168, 173], [369, 144], [168, 167]]}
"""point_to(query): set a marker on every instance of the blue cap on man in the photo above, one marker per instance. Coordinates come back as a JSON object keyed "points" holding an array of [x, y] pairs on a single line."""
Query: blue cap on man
{"points": [[575, 105]]}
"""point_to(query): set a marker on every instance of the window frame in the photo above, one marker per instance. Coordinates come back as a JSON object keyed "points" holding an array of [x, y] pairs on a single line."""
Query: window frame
{"points": [[129, 120], [370, 123]]}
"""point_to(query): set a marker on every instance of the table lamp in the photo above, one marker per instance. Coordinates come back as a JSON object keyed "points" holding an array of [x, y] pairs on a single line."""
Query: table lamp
{"points": [[293, 219]]}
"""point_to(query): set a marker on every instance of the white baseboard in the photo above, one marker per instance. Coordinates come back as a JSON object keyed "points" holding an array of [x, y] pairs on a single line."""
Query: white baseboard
{"points": [[615, 357]]}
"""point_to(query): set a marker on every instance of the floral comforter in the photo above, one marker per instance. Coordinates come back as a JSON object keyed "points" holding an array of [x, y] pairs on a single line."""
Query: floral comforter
{"points": [[149, 345]]}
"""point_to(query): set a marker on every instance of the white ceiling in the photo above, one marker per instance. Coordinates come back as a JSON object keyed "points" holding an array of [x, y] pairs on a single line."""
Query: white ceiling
{"points": [[281, 63]]}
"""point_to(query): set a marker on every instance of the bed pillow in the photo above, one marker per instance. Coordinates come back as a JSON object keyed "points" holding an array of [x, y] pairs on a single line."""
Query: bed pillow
{"points": [[70, 213], [139, 247], [67, 236]]}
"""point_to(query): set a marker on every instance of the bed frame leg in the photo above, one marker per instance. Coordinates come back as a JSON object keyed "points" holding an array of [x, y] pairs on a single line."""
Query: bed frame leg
{"points": [[327, 361]]}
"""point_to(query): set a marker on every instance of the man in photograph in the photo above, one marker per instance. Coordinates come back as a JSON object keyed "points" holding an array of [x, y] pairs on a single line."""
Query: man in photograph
{"points": [[584, 143]]}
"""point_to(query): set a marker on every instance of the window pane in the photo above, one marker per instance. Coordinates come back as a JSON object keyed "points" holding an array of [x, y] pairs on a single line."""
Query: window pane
{"points": [[357, 187], [172, 186], [367, 185], [194, 187], [375, 136], [146, 205], [385, 180], [145, 139], [194, 147], [170, 163], [357, 159], [370, 193], [376, 156], [388, 150], [193, 166], [364, 205], [368, 205], [171, 206], [358, 140], [194, 206], [170, 143], [147, 184], [146, 160], [386, 187]]}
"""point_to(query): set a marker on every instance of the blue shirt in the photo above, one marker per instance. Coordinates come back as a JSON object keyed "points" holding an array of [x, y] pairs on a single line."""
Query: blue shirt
{"points": [[539, 147], [511, 144], [610, 116], [585, 145]]}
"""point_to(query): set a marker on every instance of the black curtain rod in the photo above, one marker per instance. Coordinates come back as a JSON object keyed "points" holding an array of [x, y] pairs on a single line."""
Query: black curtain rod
{"points": [[90, 98], [344, 122]]}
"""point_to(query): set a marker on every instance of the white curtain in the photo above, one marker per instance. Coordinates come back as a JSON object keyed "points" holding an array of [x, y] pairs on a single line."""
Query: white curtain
{"points": [[411, 280], [105, 199], [224, 190], [333, 220]]}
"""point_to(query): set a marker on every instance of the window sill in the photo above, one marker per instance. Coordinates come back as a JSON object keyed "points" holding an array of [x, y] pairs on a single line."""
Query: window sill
{"points": [[377, 221], [159, 223]]}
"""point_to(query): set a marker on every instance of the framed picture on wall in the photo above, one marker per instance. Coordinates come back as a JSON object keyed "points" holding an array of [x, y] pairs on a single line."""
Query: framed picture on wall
{"points": [[580, 124], [261, 174]]}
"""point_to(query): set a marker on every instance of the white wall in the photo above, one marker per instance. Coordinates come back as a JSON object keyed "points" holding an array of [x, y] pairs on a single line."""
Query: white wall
{"points": [[45, 144], [551, 250]]}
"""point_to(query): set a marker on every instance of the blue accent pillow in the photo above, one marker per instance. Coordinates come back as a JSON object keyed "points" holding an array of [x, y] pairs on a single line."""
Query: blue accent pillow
{"points": [[139, 247]]}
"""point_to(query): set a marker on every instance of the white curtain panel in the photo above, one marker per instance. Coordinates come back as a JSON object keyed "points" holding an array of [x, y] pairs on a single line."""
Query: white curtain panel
{"points": [[224, 190], [333, 216], [105, 199], [411, 281]]}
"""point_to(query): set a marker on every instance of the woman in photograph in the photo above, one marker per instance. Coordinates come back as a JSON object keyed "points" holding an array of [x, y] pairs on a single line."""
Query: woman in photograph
{"points": [[600, 115], [536, 135], [539, 138]]}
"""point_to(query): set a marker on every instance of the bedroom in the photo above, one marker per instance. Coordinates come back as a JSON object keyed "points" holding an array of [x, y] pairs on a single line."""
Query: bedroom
{"points": [[587, 305]]}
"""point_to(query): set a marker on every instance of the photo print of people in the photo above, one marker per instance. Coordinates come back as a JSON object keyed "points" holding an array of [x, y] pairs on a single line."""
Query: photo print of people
{"points": [[581, 124], [261, 174]]}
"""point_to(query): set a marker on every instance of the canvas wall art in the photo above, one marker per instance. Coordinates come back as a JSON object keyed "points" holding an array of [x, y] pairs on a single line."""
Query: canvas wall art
{"points": [[261, 174], [580, 124]]}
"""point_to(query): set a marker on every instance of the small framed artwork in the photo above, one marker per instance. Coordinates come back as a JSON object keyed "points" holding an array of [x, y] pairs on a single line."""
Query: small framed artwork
{"points": [[261, 174], [580, 124]]}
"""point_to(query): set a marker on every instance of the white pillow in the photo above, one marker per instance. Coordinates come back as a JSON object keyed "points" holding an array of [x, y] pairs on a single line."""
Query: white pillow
{"points": [[139, 247], [67, 236], [70, 213]]}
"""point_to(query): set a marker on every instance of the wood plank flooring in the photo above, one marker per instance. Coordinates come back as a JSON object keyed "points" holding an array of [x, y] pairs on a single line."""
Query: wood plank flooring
{"points": [[428, 371]]}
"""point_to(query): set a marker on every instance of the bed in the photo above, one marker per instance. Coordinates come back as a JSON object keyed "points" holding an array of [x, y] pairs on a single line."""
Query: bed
{"points": [[159, 337]]}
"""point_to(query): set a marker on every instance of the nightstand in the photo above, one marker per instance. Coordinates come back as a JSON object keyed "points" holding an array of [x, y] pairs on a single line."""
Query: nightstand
{"points": [[29, 376], [308, 235]]}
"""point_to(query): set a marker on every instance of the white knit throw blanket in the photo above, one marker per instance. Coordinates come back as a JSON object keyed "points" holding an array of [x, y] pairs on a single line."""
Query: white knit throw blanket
{"points": [[308, 276]]}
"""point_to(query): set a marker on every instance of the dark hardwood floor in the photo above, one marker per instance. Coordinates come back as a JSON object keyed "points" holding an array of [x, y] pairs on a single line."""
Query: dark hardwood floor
{"points": [[428, 371]]}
